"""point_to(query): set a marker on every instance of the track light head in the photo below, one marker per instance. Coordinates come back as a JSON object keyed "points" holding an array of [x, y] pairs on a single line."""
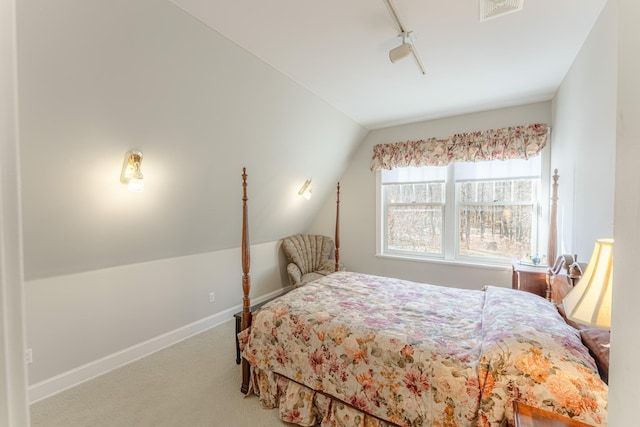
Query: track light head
{"points": [[400, 52]]}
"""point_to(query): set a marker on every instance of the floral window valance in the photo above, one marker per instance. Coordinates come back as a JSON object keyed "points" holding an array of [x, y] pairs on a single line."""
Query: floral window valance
{"points": [[519, 142]]}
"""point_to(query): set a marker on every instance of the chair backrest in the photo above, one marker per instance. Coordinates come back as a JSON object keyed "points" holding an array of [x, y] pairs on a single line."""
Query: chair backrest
{"points": [[307, 251]]}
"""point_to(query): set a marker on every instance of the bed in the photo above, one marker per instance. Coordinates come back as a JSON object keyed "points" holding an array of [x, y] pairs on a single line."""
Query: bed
{"points": [[352, 349]]}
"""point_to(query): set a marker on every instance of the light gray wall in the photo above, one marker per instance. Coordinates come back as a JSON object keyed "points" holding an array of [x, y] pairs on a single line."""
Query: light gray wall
{"points": [[624, 375], [583, 141], [108, 269], [98, 78], [358, 201], [596, 115]]}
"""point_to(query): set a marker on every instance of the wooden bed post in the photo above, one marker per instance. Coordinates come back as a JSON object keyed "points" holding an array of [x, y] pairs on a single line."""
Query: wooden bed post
{"points": [[553, 235], [338, 228], [246, 280], [553, 222]]}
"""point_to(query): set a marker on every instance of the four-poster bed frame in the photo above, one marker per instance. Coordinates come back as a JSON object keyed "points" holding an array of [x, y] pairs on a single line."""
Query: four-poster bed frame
{"points": [[246, 316], [353, 346]]}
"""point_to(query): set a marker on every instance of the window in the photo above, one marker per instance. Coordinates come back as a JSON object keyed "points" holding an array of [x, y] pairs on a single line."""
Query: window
{"points": [[479, 212], [414, 201]]}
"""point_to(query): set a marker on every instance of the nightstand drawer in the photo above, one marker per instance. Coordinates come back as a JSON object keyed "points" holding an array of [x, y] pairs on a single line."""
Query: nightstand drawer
{"points": [[529, 278]]}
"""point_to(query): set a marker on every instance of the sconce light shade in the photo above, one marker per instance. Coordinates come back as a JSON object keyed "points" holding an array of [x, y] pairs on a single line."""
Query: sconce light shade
{"points": [[400, 52], [306, 189], [131, 174], [589, 302]]}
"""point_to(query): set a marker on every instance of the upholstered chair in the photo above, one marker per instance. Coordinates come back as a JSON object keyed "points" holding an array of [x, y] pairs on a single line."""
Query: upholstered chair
{"points": [[308, 257]]}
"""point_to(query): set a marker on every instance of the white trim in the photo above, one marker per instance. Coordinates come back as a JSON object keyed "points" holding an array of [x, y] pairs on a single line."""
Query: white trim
{"points": [[460, 263], [450, 217], [13, 371], [379, 232], [91, 370]]}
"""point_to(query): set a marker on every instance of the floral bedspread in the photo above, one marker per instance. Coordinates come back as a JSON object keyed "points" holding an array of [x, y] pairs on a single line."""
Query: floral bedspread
{"points": [[394, 352]]}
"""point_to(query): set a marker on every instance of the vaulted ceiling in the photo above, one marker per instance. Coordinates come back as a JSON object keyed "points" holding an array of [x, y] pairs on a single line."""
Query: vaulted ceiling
{"points": [[339, 51]]}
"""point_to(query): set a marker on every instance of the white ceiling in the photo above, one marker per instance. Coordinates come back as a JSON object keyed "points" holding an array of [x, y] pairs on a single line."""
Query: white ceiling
{"points": [[338, 49]]}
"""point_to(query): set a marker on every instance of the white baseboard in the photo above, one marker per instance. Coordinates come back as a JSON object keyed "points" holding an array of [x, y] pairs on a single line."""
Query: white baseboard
{"points": [[91, 370]]}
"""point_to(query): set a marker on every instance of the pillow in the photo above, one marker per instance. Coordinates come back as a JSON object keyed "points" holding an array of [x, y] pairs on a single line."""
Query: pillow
{"points": [[594, 340]]}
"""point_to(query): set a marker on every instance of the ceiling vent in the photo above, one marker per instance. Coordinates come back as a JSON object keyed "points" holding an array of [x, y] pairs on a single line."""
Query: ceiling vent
{"points": [[490, 9]]}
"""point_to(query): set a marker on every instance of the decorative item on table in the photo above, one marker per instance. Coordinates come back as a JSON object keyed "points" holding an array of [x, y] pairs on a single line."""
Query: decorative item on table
{"points": [[534, 260]]}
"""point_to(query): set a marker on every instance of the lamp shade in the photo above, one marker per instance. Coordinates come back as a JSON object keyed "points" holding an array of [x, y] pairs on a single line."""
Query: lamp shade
{"points": [[589, 302]]}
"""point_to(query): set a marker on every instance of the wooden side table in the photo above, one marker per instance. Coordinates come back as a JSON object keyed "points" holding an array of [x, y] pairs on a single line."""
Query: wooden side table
{"points": [[529, 278], [529, 416]]}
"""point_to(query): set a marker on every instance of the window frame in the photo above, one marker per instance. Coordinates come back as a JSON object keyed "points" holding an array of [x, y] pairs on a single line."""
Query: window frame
{"points": [[442, 204], [451, 226]]}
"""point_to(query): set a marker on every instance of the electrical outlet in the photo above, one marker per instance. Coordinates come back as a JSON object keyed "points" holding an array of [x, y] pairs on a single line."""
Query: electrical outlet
{"points": [[28, 356], [212, 296]]}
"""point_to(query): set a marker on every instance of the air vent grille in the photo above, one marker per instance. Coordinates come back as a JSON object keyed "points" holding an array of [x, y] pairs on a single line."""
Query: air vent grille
{"points": [[493, 8]]}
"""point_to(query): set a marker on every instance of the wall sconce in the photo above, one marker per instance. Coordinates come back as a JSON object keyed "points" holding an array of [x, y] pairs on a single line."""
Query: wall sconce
{"points": [[131, 174], [306, 189]]}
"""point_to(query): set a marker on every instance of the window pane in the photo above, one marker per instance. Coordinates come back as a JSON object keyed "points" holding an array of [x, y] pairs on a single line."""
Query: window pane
{"points": [[414, 228], [520, 190], [426, 192], [494, 213], [496, 231]]}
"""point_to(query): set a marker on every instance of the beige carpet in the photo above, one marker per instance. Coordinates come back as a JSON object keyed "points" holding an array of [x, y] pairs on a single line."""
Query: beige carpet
{"points": [[195, 383]]}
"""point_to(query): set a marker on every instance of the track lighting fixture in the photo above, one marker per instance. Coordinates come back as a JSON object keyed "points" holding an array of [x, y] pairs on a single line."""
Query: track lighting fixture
{"points": [[406, 48], [401, 51]]}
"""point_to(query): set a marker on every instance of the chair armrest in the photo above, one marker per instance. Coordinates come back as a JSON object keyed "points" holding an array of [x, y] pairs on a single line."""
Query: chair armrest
{"points": [[295, 274]]}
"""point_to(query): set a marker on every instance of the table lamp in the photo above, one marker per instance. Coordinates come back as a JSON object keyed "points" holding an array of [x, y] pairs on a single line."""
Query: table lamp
{"points": [[589, 302]]}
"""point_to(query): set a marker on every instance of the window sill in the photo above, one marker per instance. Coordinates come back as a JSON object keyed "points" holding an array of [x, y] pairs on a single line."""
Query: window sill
{"points": [[454, 263]]}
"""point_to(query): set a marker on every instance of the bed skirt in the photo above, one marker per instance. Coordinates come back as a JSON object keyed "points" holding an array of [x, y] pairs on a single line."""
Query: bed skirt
{"points": [[301, 405]]}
